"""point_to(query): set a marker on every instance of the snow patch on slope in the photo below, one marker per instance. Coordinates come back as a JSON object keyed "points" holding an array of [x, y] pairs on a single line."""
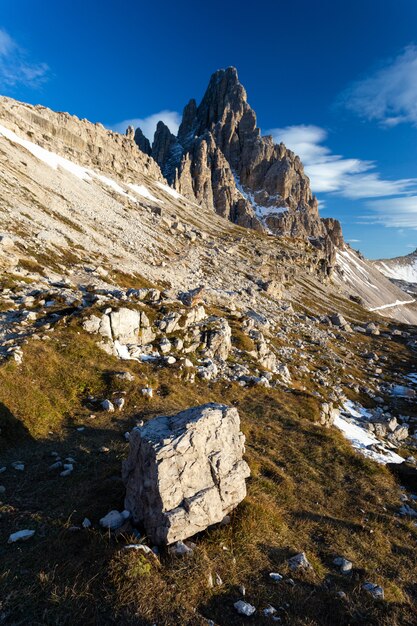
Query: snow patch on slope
{"points": [[399, 271], [56, 162], [346, 259], [261, 211], [141, 190], [352, 423], [169, 190], [396, 303]]}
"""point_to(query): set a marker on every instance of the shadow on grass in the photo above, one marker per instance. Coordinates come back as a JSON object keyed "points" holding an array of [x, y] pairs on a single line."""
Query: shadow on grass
{"points": [[60, 575]]}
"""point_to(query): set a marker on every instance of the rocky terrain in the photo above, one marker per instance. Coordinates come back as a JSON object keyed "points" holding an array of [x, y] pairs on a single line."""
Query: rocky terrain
{"points": [[159, 306]]}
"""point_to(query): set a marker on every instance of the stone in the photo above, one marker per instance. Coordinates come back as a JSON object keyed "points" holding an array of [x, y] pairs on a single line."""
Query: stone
{"points": [[244, 608], [216, 337], [124, 376], [272, 288], [21, 535], [275, 577], [374, 590], [147, 392], [192, 297], [114, 519], [108, 406], [181, 549], [343, 564], [165, 345], [407, 510], [119, 402], [299, 561], [269, 611], [185, 472]]}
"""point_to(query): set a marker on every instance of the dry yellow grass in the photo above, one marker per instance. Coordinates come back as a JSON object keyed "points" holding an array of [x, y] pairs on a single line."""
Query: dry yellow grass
{"points": [[308, 492]]}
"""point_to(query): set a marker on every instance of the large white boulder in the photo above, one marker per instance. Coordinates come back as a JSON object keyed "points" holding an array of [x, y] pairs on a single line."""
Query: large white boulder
{"points": [[185, 472]]}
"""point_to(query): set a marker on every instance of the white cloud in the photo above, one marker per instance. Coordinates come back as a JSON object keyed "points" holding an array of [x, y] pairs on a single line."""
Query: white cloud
{"points": [[15, 67], [148, 124], [333, 173], [395, 212], [389, 95], [354, 240]]}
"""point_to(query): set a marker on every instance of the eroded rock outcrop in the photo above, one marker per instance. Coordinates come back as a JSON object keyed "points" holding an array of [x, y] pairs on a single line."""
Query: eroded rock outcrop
{"points": [[185, 472]]}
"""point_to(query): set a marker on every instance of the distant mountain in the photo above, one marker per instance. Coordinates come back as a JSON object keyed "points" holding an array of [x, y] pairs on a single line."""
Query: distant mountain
{"points": [[400, 268]]}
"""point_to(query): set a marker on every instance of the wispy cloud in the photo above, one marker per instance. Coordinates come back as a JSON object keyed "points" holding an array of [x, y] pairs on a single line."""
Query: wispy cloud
{"points": [[332, 173], [395, 212], [354, 240], [16, 68], [148, 124], [389, 94]]}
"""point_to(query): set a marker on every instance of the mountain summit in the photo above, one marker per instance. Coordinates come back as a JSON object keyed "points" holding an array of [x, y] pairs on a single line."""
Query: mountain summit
{"points": [[220, 160]]}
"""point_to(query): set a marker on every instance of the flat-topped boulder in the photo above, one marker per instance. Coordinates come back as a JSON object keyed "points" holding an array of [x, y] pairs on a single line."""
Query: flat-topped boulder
{"points": [[185, 472]]}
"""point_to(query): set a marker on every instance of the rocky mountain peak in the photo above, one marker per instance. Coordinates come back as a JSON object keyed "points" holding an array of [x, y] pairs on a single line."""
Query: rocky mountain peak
{"points": [[224, 93], [220, 159]]}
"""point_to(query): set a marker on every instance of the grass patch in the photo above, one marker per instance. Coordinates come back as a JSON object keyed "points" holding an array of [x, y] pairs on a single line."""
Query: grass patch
{"points": [[309, 491]]}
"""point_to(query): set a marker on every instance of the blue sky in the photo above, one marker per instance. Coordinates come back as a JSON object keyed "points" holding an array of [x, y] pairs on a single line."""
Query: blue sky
{"points": [[337, 81]]}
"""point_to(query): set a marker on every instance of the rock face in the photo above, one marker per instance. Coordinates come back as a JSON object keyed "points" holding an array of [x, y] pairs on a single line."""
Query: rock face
{"points": [[220, 160], [185, 472]]}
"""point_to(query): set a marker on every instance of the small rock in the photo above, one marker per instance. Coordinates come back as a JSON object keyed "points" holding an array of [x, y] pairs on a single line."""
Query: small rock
{"points": [[55, 465], [181, 549], [18, 465], [299, 561], [86, 523], [107, 406], [147, 392], [407, 510], [269, 611], [244, 608], [119, 402], [344, 565], [375, 590], [2, 489], [21, 535], [114, 519], [275, 577]]}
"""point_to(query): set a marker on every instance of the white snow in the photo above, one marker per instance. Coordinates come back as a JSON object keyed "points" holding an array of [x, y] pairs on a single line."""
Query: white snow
{"points": [[123, 352], [396, 303], [55, 161], [169, 190], [401, 271], [360, 438], [141, 190], [261, 211], [50, 158], [346, 260]]}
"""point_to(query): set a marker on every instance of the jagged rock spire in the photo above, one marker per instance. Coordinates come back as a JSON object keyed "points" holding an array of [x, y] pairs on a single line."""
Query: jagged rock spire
{"points": [[220, 160], [142, 142]]}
